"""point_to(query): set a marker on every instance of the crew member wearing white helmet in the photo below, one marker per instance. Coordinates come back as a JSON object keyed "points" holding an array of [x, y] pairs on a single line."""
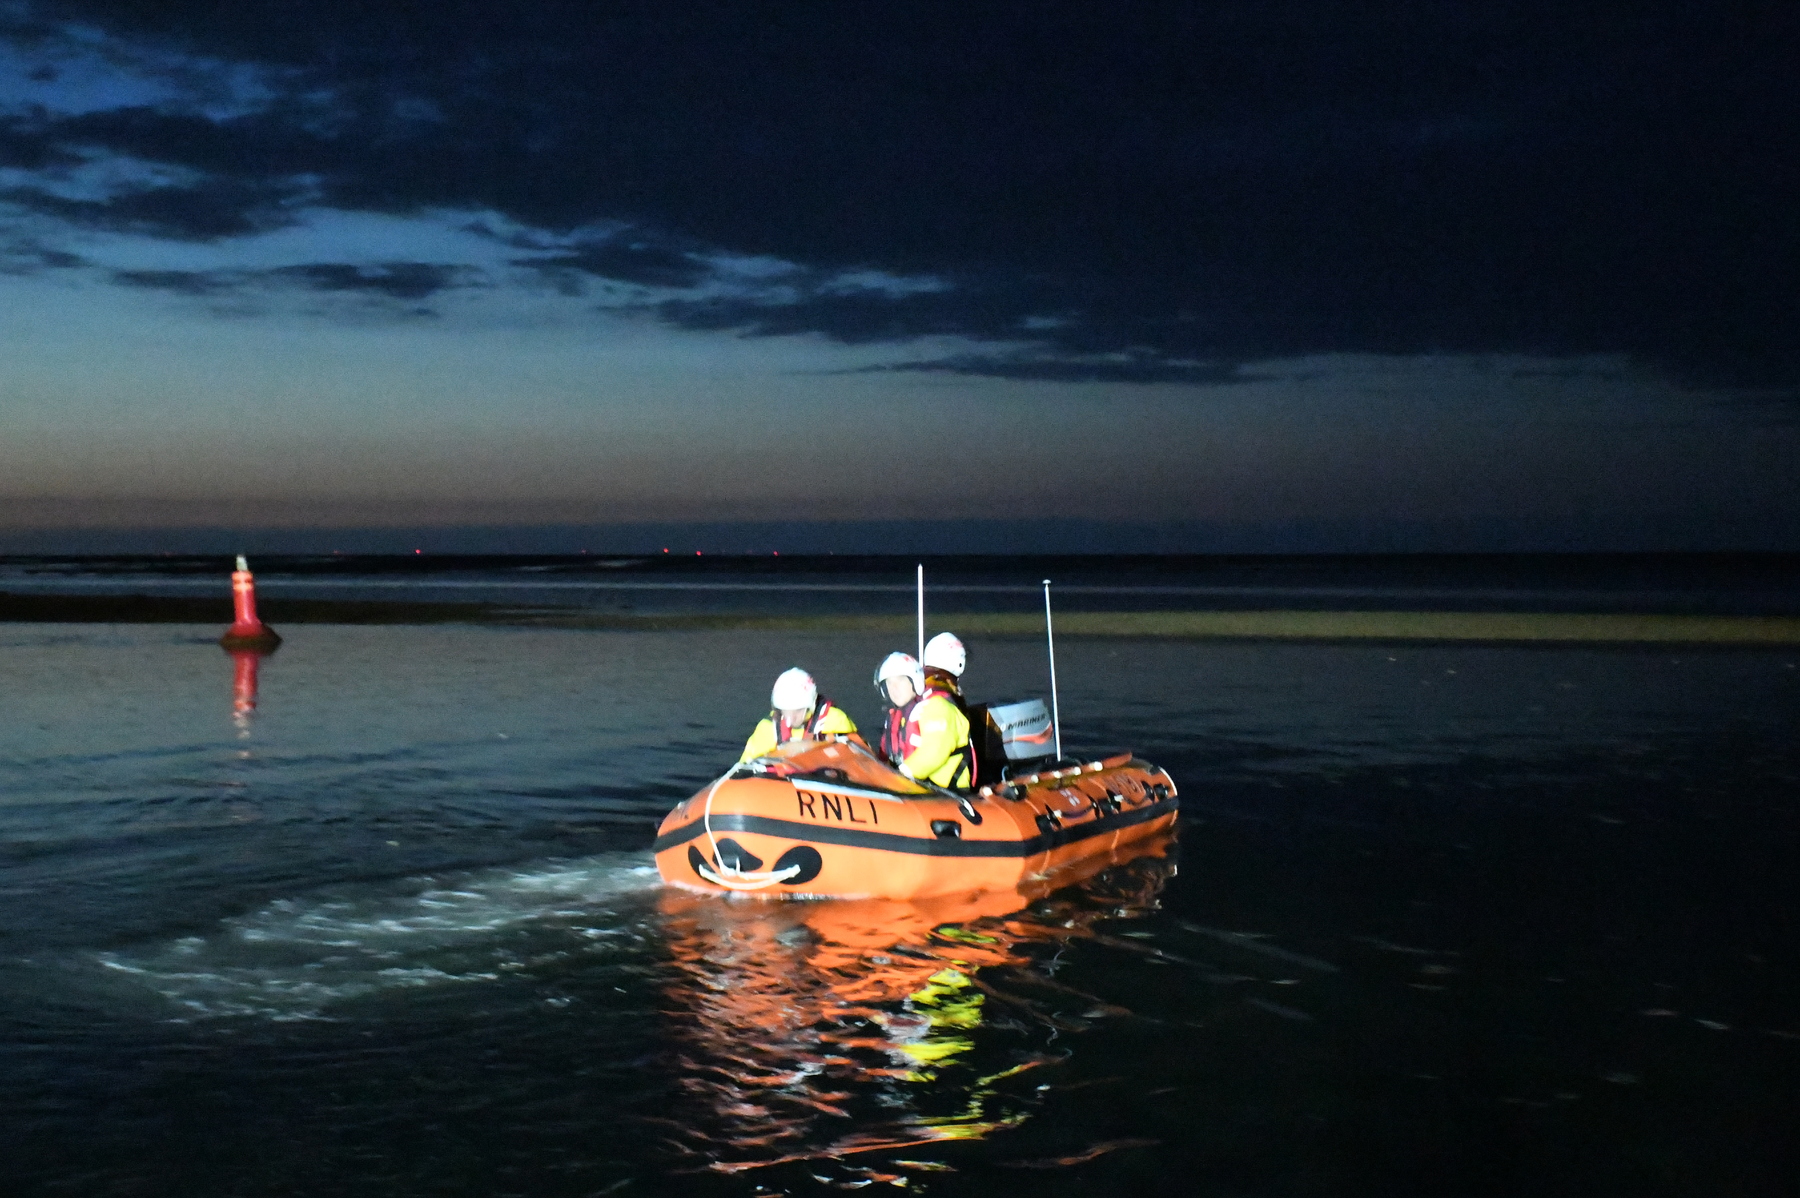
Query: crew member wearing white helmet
{"points": [[899, 681], [937, 729], [798, 713], [945, 661]]}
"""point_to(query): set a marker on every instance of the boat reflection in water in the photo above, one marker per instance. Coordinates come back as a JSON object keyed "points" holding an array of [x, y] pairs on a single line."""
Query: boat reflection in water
{"points": [[814, 1030]]}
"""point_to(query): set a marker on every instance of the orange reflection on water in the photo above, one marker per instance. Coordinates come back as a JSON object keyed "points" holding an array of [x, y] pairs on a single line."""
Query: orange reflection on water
{"points": [[813, 1030], [244, 666]]}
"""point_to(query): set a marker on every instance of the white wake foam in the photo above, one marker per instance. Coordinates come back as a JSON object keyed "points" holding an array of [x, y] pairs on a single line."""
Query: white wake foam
{"points": [[297, 958]]}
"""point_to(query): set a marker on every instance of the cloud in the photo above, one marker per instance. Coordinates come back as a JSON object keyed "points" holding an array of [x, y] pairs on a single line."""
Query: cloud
{"points": [[392, 280], [397, 280], [25, 146], [1198, 183], [646, 265], [67, 68], [205, 211], [1075, 368], [182, 282], [23, 257]]}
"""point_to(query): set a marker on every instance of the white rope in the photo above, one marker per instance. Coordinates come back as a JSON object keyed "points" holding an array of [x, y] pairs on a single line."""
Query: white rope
{"points": [[767, 879], [748, 880]]}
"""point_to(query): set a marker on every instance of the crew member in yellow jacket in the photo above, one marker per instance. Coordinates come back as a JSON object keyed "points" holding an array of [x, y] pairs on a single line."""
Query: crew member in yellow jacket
{"points": [[798, 713], [937, 740]]}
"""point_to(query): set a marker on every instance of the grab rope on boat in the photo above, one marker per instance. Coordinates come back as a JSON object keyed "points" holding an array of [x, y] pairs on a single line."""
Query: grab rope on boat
{"points": [[728, 874]]}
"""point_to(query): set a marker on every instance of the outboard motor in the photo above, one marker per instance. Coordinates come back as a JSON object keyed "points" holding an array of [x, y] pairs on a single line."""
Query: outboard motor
{"points": [[1007, 734]]}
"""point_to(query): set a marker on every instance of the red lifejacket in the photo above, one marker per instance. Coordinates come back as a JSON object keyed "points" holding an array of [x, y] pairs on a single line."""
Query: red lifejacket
{"points": [[894, 737], [807, 731]]}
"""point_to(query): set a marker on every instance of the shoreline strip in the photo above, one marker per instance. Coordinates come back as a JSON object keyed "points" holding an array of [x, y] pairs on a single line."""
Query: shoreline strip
{"points": [[1497, 627]]}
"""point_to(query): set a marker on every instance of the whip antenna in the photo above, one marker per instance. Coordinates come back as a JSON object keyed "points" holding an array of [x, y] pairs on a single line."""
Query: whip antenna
{"points": [[1050, 637], [921, 615]]}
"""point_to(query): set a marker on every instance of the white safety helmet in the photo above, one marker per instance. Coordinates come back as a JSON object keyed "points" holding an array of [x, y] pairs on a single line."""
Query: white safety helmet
{"points": [[945, 652], [795, 690], [898, 665]]}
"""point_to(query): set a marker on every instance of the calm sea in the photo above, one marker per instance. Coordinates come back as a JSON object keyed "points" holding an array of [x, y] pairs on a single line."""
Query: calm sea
{"points": [[1741, 584], [1438, 919]]}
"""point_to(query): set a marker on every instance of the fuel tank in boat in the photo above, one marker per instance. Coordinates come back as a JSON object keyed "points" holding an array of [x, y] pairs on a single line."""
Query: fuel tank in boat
{"points": [[829, 819]]}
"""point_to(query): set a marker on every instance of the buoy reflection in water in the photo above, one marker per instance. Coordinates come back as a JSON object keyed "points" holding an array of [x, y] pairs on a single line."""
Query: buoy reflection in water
{"points": [[244, 666], [812, 1030]]}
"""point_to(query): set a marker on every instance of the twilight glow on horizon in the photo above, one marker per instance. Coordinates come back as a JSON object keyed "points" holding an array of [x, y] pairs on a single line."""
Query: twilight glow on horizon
{"points": [[1223, 266]]}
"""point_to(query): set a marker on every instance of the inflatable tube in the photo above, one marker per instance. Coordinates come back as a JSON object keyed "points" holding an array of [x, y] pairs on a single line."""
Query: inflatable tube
{"points": [[828, 819]]}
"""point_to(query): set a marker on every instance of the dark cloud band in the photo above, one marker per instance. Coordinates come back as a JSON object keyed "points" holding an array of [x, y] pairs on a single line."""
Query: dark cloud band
{"points": [[1179, 183]]}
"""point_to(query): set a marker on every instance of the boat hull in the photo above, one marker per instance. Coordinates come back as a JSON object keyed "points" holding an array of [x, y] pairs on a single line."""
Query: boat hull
{"points": [[821, 820]]}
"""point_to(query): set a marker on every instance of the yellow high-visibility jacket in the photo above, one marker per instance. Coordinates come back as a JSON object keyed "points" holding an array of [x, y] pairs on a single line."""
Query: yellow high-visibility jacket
{"points": [[827, 719], [937, 742]]}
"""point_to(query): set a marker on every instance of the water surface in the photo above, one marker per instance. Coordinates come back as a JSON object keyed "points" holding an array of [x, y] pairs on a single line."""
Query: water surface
{"points": [[1438, 919]]}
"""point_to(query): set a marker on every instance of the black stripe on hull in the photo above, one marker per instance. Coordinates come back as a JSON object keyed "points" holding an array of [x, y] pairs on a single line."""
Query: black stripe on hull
{"points": [[917, 846]]}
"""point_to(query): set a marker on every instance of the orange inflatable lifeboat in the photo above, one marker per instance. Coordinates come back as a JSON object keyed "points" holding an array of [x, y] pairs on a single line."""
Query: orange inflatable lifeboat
{"points": [[830, 819]]}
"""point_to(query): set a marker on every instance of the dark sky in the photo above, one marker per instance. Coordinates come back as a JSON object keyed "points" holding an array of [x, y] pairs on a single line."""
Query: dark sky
{"points": [[1239, 266]]}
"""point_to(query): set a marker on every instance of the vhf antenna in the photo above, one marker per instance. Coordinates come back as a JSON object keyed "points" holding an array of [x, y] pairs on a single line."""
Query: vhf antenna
{"points": [[1050, 637], [921, 615]]}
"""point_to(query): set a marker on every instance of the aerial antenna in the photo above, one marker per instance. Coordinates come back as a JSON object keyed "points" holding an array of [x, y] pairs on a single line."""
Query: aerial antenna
{"points": [[1050, 637], [921, 615]]}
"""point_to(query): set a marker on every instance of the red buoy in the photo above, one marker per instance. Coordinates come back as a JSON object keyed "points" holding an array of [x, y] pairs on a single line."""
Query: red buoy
{"points": [[246, 631]]}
